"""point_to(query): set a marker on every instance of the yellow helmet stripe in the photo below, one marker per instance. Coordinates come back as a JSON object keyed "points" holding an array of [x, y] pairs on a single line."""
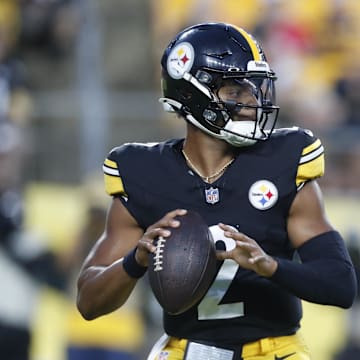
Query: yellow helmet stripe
{"points": [[253, 46]]}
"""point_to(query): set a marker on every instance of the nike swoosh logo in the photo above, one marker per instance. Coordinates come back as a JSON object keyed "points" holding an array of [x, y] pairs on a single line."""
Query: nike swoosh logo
{"points": [[284, 357]]}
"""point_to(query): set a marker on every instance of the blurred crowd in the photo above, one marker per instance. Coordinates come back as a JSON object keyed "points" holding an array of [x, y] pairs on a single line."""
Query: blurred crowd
{"points": [[44, 32], [311, 44]]}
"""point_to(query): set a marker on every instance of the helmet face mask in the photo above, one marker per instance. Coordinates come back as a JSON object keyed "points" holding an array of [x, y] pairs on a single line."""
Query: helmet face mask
{"points": [[195, 66]]}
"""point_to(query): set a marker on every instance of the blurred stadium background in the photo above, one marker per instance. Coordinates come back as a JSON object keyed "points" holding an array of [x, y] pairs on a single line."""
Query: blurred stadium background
{"points": [[78, 77]]}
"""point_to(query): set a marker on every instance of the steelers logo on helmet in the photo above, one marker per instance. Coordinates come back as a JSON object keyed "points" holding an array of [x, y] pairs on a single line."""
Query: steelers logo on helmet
{"points": [[180, 60], [263, 194]]}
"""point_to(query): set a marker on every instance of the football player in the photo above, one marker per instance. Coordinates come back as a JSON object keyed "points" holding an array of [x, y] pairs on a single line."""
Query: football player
{"points": [[253, 184]]}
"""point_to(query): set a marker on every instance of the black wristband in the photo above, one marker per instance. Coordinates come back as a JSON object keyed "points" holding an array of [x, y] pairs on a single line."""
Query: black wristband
{"points": [[132, 267]]}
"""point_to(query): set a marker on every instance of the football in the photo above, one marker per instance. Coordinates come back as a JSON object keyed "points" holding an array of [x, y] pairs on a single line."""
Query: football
{"points": [[184, 264]]}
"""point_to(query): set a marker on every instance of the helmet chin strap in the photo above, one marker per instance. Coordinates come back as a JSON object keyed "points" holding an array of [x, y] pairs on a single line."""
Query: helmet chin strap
{"points": [[236, 133], [243, 127], [243, 133], [203, 128]]}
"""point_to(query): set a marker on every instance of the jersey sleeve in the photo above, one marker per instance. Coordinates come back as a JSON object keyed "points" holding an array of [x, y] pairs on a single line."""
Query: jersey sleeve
{"points": [[312, 162], [112, 178]]}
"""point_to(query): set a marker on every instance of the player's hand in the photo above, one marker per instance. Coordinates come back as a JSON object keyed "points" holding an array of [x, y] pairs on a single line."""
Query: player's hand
{"points": [[247, 253], [160, 228]]}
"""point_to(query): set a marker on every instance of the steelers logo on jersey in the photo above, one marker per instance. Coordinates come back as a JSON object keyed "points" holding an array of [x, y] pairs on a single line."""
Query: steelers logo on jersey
{"points": [[180, 60], [263, 194]]}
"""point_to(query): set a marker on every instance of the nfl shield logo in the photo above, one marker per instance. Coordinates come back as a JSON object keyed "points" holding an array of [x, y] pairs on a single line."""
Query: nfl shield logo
{"points": [[212, 195]]}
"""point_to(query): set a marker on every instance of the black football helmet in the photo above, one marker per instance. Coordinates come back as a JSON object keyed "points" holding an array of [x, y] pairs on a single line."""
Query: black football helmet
{"points": [[195, 64]]}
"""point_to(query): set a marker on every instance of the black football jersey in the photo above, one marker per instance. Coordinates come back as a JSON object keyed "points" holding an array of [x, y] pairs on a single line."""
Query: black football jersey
{"points": [[254, 196]]}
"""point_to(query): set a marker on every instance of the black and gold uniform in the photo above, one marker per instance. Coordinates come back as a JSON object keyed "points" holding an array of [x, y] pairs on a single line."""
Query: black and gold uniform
{"points": [[254, 195]]}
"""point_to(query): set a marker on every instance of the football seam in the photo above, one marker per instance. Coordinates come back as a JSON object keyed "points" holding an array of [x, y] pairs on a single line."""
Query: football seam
{"points": [[158, 257], [160, 264]]}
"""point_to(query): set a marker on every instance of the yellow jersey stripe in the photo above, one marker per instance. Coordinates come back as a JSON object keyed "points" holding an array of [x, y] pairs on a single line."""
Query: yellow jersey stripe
{"points": [[114, 185], [110, 163], [112, 179], [253, 46], [310, 170], [311, 147], [110, 171], [312, 155]]}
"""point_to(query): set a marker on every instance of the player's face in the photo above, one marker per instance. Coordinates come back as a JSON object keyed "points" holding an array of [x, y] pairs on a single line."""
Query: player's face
{"points": [[241, 95]]}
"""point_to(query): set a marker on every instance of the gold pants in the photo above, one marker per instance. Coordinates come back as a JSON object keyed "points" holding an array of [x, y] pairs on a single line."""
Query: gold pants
{"points": [[290, 347]]}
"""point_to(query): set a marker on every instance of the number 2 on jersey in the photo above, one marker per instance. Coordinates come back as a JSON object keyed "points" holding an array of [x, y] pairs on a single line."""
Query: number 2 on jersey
{"points": [[210, 307]]}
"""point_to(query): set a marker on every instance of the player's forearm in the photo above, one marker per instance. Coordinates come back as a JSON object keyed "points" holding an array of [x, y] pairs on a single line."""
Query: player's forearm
{"points": [[326, 275], [307, 283], [102, 290]]}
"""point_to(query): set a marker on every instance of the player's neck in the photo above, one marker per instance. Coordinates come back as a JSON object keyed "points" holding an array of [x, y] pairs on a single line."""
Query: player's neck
{"points": [[207, 156]]}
